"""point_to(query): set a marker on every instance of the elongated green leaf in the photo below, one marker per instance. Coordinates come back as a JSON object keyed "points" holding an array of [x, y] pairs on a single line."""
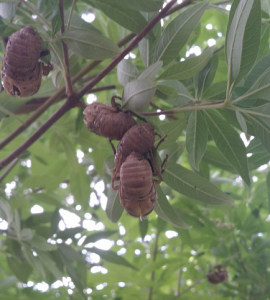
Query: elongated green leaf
{"points": [[266, 6], [70, 253], [183, 96], [268, 190], [139, 5], [173, 130], [262, 131], [33, 261], [70, 151], [165, 92], [189, 67], [151, 72], [40, 243], [137, 94], [112, 257], [114, 209], [241, 121], [256, 160], [78, 23], [143, 224], [128, 18], [69, 233], [213, 157], [166, 212], [89, 44], [80, 186], [98, 235], [49, 264], [126, 71], [206, 76], [177, 33], [243, 36], [21, 270], [228, 143], [196, 138], [56, 18], [255, 146], [194, 186]]}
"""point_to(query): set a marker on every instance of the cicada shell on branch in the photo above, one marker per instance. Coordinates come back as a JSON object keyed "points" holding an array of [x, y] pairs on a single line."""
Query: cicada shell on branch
{"points": [[137, 189], [107, 121], [21, 69], [218, 276]]}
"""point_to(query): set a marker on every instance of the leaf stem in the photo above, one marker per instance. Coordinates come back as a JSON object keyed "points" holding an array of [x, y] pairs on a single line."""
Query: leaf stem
{"points": [[9, 113], [69, 87], [71, 12]]}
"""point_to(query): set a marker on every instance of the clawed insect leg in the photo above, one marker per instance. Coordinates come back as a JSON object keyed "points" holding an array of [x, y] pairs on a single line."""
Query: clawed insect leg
{"points": [[47, 69], [112, 145], [136, 115], [44, 52], [163, 166], [114, 104], [160, 141]]}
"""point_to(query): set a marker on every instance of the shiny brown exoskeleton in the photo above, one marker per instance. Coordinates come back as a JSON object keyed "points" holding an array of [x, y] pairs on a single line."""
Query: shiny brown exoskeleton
{"points": [[139, 138], [219, 276], [108, 121], [21, 70], [137, 189]]}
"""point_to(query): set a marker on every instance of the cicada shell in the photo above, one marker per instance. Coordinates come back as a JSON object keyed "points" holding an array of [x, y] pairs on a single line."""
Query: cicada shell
{"points": [[107, 121], [21, 69], [137, 189], [139, 138], [218, 276]]}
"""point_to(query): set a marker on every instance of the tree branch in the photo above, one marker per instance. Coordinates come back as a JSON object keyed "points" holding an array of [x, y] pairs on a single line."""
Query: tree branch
{"points": [[72, 100], [69, 88], [178, 7]]}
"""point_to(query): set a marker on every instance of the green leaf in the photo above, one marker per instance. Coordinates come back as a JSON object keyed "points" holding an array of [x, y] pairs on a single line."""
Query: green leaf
{"points": [[242, 40], [49, 264], [80, 186], [98, 235], [126, 71], [183, 95], [196, 138], [137, 94], [45, 198], [166, 212], [112, 257], [193, 186], [56, 18], [268, 190], [177, 33], [33, 261], [146, 46], [228, 143], [128, 18], [151, 72], [69, 233], [139, 5], [189, 67], [7, 282], [241, 121], [173, 130], [207, 75], [255, 146], [89, 44], [143, 225], [114, 209], [40, 243], [5, 211], [78, 23], [8, 10], [70, 151], [70, 253], [21, 270], [165, 92]]}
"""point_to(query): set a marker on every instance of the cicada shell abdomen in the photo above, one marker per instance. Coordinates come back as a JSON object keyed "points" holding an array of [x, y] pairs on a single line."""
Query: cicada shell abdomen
{"points": [[21, 71], [107, 121], [138, 193]]}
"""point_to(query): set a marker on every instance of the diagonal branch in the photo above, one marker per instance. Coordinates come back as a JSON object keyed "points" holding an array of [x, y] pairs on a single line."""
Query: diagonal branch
{"points": [[74, 99]]}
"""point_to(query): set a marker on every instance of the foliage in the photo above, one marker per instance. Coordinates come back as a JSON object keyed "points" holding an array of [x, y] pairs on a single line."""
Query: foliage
{"points": [[64, 232]]}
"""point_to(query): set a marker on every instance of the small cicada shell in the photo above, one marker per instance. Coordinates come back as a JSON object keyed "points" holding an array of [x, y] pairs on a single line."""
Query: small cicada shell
{"points": [[139, 138], [218, 276], [21, 69], [107, 121], [137, 189]]}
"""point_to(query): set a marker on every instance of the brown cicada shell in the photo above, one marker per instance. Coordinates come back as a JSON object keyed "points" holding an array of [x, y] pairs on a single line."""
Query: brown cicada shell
{"points": [[107, 121], [21, 69], [137, 189], [139, 138], [219, 276]]}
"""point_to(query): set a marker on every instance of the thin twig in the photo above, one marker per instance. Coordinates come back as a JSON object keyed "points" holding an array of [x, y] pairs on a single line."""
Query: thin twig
{"points": [[153, 272], [222, 2], [69, 88], [10, 167], [73, 99], [218, 49], [156, 107], [178, 7]]}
